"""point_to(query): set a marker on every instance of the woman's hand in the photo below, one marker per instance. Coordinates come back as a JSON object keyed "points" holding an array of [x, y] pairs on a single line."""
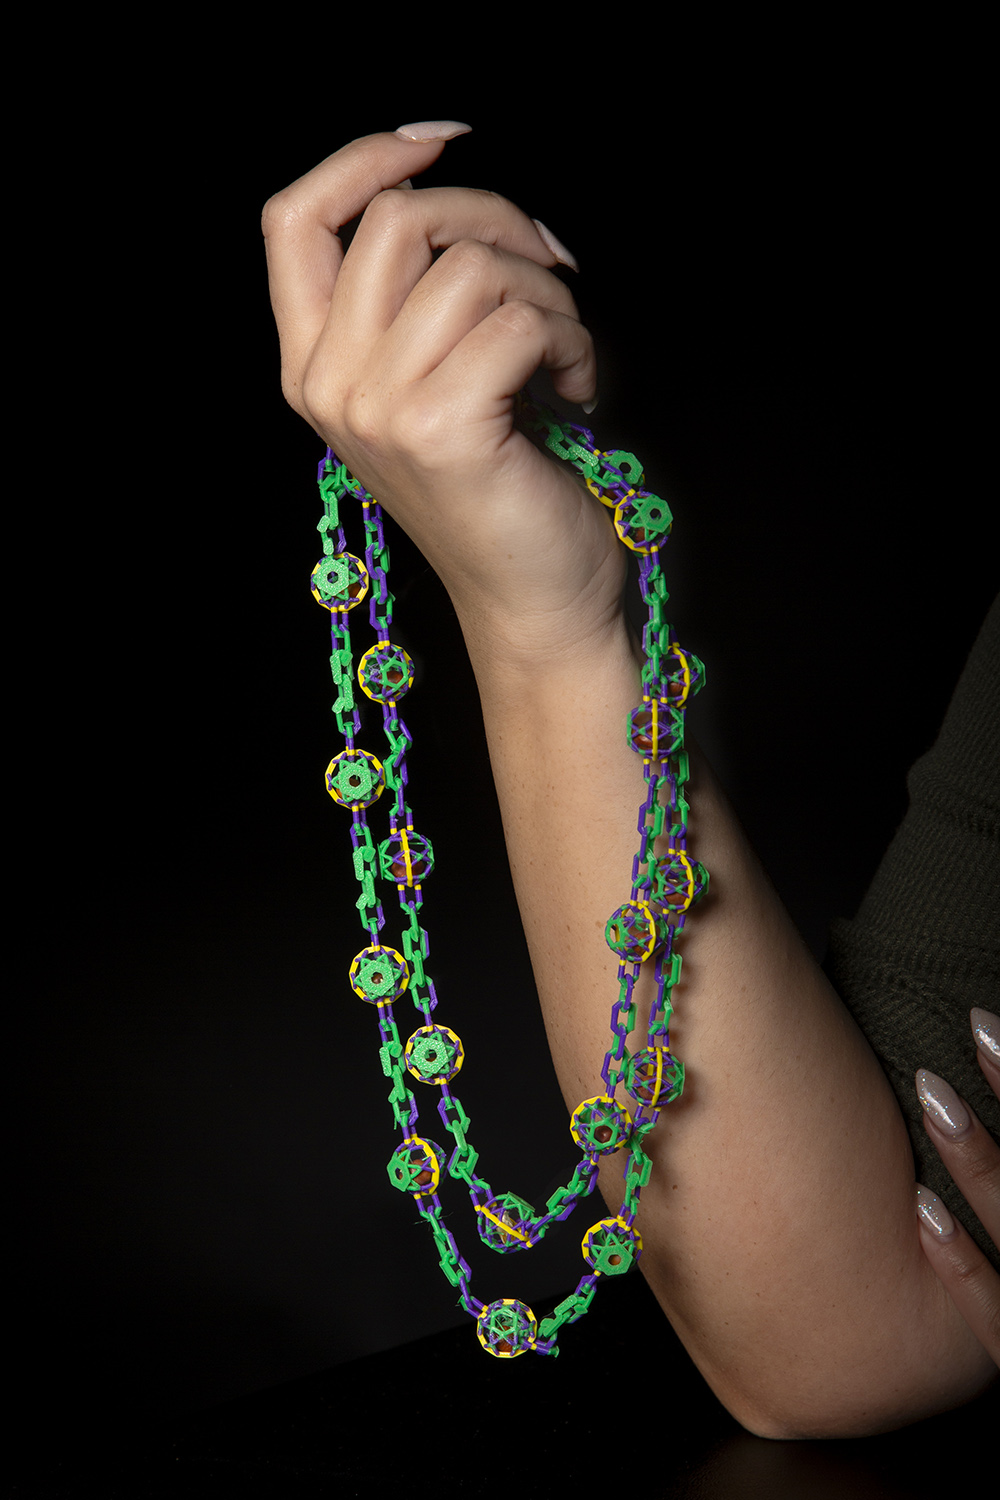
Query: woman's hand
{"points": [[973, 1159], [407, 366]]}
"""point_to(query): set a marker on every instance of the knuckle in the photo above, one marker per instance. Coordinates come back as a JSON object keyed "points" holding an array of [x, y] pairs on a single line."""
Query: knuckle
{"points": [[360, 417], [422, 425], [520, 318], [469, 259], [279, 213], [389, 209]]}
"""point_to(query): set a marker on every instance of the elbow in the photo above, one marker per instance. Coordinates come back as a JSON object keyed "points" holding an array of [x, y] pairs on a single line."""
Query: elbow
{"points": [[857, 1409]]}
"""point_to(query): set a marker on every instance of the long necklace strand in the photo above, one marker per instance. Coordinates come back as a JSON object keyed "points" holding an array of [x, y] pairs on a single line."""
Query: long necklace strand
{"points": [[664, 886]]}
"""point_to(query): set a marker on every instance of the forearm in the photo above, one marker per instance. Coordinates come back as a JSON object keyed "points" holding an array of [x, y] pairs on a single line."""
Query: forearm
{"points": [[778, 1224]]}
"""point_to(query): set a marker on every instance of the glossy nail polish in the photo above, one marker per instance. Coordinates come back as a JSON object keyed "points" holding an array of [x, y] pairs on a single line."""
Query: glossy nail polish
{"points": [[933, 1213], [433, 130], [986, 1030], [942, 1104], [563, 256]]}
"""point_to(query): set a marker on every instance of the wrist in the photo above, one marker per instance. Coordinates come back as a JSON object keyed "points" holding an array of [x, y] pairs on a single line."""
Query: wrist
{"points": [[541, 655]]}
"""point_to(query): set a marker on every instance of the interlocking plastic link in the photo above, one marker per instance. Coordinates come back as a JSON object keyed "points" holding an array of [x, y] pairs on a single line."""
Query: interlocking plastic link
{"points": [[570, 1309], [640, 1167], [400, 740], [365, 866], [416, 948], [451, 1262]]}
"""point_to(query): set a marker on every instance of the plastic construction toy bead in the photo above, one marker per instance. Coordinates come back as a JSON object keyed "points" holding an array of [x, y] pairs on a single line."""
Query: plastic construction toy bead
{"points": [[379, 975], [416, 1166], [654, 1077], [355, 779], [434, 1054], [340, 582], [684, 675], [631, 932], [630, 469], [406, 858], [385, 673], [656, 729], [643, 521], [501, 1223], [679, 882], [506, 1328], [611, 1247], [600, 1126]]}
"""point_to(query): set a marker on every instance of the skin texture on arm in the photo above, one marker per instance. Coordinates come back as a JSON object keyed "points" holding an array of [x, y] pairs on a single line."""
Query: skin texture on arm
{"points": [[779, 1227], [778, 1224]]}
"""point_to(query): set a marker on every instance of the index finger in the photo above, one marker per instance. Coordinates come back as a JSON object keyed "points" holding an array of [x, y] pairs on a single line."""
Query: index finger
{"points": [[301, 223]]}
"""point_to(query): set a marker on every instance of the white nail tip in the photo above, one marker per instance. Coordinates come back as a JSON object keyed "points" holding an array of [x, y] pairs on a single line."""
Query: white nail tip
{"points": [[433, 130]]}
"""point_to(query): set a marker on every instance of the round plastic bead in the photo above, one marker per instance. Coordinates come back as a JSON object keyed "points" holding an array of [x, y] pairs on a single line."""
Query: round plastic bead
{"points": [[600, 1126], [339, 582], [379, 975], [631, 932], [355, 779], [654, 1077], [434, 1054], [656, 729], [385, 673], [611, 1247], [416, 1166], [683, 675], [506, 1328], [504, 1223], [406, 858], [642, 521], [679, 882]]}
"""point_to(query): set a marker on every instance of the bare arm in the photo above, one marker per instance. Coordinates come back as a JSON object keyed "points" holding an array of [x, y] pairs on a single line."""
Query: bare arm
{"points": [[779, 1224]]}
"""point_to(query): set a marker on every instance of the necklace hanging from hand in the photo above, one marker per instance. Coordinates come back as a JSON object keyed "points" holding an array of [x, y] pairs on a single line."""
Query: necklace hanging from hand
{"points": [[665, 884]]}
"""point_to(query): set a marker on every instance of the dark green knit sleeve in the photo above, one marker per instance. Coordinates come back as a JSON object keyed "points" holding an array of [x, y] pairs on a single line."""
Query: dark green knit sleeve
{"points": [[924, 947]]}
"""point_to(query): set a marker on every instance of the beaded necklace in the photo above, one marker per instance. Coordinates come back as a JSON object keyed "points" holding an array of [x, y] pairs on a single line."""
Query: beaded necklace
{"points": [[647, 926]]}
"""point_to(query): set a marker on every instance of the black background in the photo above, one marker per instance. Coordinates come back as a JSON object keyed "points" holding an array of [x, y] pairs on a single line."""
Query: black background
{"points": [[785, 281]]}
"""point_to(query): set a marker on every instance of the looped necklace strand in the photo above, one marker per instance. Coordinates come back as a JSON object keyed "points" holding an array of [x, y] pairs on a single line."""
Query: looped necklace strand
{"points": [[665, 884]]}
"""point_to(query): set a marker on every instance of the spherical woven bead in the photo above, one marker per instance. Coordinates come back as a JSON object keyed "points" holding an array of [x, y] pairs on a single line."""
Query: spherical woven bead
{"points": [[682, 675], [406, 858], [434, 1054], [385, 673], [416, 1166], [355, 779], [643, 521], [379, 975], [611, 1247], [656, 729], [339, 582], [631, 932], [504, 1223], [678, 882], [653, 1077], [506, 1328], [600, 1125]]}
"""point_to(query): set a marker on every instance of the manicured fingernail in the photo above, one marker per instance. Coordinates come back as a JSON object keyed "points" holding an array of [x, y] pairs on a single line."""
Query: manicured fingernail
{"points": [[933, 1213], [563, 256], [942, 1103], [433, 130], [589, 406], [986, 1029]]}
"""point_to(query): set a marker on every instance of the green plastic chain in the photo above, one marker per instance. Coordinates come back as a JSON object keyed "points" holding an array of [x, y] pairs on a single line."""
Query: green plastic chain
{"points": [[666, 882]]}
